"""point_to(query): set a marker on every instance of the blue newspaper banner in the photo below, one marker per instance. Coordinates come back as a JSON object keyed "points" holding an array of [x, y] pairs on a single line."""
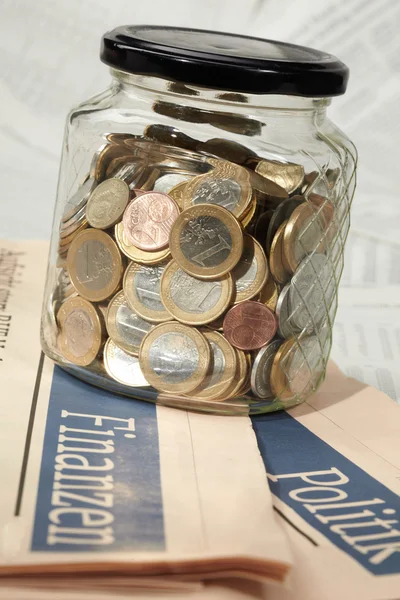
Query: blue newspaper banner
{"points": [[100, 485], [353, 510]]}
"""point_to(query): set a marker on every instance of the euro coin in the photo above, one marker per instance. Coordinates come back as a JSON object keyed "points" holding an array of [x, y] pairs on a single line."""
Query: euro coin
{"points": [[123, 367], [297, 369], [281, 214], [312, 294], [148, 220], [249, 325], [167, 182], [251, 272], [285, 327], [143, 257], [81, 331], [304, 234], [223, 365], [276, 264], [194, 301], [94, 265], [142, 292], [107, 203], [227, 185], [174, 358], [289, 176], [78, 200], [261, 371], [124, 326], [206, 241], [269, 294]]}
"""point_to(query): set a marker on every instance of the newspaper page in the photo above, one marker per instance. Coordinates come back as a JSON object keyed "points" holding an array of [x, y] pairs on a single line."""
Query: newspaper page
{"points": [[97, 485], [333, 466]]}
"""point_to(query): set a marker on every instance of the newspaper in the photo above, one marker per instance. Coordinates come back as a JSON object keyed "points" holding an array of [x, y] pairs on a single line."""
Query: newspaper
{"points": [[333, 466], [99, 486]]}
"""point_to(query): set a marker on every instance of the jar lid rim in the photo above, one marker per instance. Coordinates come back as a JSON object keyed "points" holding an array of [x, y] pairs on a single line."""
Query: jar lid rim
{"points": [[224, 61]]}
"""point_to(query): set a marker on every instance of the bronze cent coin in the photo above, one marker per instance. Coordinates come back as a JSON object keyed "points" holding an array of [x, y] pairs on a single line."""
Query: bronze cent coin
{"points": [[148, 220], [249, 325]]}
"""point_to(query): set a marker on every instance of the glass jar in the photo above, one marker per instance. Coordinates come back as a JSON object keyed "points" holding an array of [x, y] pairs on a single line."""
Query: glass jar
{"points": [[202, 210]]}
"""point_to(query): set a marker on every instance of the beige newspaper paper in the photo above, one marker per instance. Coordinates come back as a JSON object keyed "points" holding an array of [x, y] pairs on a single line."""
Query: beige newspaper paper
{"points": [[94, 483]]}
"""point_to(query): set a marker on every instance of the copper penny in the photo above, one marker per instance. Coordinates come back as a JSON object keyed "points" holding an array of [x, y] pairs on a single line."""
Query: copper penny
{"points": [[148, 219], [249, 325]]}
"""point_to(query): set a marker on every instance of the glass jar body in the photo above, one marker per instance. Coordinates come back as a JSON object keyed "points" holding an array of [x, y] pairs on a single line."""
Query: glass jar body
{"points": [[287, 175]]}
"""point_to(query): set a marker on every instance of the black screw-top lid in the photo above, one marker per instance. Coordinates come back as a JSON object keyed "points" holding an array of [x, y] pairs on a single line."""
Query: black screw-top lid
{"points": [[224, 61]]}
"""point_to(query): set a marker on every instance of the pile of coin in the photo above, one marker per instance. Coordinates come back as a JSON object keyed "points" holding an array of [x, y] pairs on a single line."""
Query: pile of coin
{"points": [[207, 275]]}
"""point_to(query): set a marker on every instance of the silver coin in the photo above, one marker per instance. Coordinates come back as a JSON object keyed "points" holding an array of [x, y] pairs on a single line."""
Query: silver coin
{"points": [[174, 357], [312, 295], [147, 286], [217, 368], [194, 295], [131, 173], [305, 367], [78, 200], [130, 326], [245, 272], [67, 227], [123, 367], [165, 183], [309, 238], [94, 265], [206, 241], [285, 327], [125, 327], [218, 190], [261, 371]]}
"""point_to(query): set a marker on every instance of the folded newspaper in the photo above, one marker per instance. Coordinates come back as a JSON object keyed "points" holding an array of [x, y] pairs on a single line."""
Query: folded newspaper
{"points": [[333, 466], [112, 492]]}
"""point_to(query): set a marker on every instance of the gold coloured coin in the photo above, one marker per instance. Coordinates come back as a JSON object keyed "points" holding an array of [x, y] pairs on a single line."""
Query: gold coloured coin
{"points": [[194, 301], [117, 163], [222, 369], [177, 193], [80, 331], [103, 157], [174, 357], [142, 291], [269, 294], [206, 241], [124, 326], [297, 368], [143, 257], [288, 175], [279, 371], [123, 367], [227, 185], [94, 265], [251, 272], [276, 265], [66, 237], [247, 217], [304, 234], [239, 378], [107, 203]]}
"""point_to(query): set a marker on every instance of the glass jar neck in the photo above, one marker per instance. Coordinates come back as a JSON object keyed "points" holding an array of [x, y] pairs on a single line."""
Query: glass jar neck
{"points": [[313, 109]]}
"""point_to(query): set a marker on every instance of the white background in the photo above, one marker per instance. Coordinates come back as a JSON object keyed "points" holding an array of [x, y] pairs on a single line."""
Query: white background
{"points": [[49, 62]]}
